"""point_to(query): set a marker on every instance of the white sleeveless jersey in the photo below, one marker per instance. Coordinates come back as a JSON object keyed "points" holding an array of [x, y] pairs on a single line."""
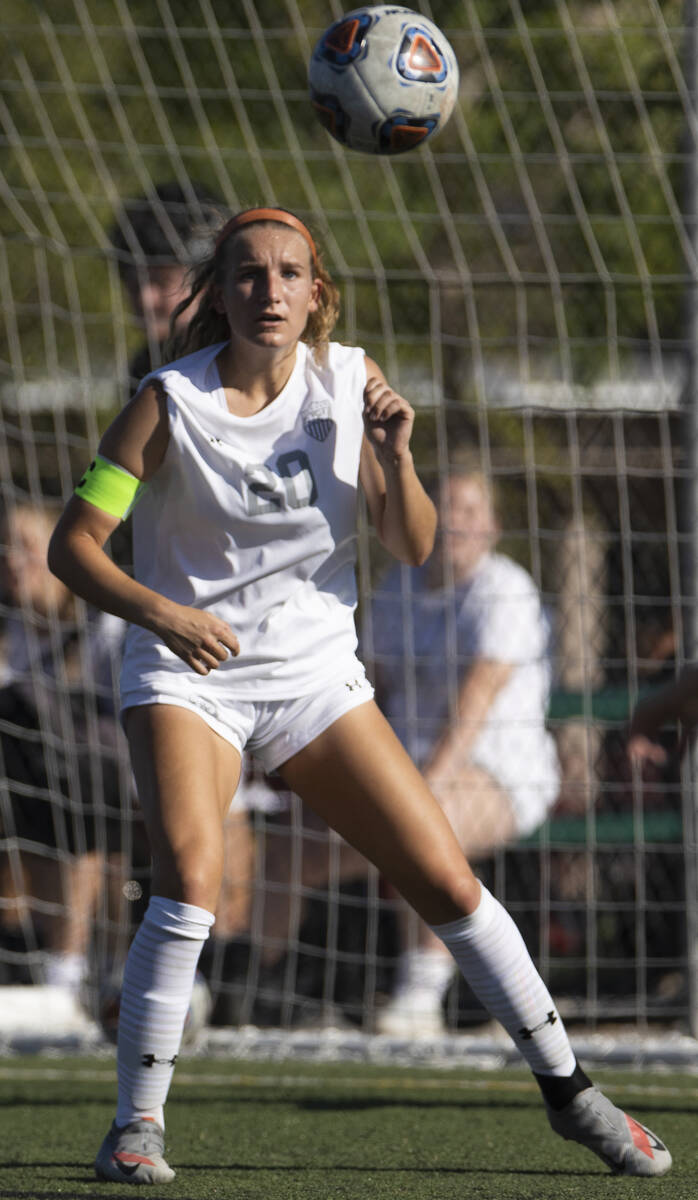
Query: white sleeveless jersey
{"points": [[254, 519]]}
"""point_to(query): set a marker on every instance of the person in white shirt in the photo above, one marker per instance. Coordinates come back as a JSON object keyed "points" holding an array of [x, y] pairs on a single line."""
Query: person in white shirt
{"points": [[462, 674], [245, 457]]}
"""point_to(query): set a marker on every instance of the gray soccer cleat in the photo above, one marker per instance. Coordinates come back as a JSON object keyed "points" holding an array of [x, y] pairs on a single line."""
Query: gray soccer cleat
{"points": [[627, 1147], [134, 1154]]}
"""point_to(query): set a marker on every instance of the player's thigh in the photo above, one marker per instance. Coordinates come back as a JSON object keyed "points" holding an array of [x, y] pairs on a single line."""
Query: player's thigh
{"points": [[359, 778], [185, 773]]}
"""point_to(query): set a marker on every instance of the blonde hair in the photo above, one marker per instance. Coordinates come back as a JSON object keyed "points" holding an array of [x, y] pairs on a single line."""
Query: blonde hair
{"points": [[208, 326]]}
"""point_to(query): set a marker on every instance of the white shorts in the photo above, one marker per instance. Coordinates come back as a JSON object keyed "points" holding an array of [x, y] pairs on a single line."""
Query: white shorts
{"points": [[272, 730]]}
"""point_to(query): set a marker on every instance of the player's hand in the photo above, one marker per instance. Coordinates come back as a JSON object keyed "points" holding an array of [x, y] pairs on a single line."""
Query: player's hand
{"points": [[201, 639], [388, 420]]}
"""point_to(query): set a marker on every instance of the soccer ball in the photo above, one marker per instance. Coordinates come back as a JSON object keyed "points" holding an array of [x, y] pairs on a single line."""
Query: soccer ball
{"points": [[383, 79]]}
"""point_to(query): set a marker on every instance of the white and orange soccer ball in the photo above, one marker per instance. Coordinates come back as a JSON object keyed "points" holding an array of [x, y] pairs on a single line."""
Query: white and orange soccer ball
{"points": [[383, 79]]}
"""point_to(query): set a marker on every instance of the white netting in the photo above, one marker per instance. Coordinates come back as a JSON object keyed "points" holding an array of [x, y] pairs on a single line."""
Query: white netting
{"points": [[524, 280]]}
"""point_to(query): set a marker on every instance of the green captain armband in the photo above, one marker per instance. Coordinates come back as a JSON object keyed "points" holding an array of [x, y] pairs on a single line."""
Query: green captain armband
{"points": [[109, 487]]}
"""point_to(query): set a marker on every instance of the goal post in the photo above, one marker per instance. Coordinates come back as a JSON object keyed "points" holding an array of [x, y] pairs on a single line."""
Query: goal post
{"points": [[524, 280]]}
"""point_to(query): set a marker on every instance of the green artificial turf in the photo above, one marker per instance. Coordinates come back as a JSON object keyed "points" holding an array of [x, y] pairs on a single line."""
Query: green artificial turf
{"points": [[310, 1132]]}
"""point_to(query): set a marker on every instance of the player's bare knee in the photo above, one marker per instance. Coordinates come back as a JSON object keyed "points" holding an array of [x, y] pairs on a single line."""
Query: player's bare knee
{"points": [[466, 892], [454, 894], [190, 879], [458, 897]]}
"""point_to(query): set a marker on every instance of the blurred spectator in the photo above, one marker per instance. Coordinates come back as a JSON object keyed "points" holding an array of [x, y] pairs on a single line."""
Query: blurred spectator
{"points": [[300, 867], [462, 674], [675, 702], [158, 237], [61, 748]]}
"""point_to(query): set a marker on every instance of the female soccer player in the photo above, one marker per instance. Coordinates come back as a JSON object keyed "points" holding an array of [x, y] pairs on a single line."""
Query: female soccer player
{"points": [[244, 457]]}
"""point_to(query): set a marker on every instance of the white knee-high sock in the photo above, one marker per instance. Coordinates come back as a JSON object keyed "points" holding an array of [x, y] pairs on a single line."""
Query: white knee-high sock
{"points": [[493, 958], [155, 995]]}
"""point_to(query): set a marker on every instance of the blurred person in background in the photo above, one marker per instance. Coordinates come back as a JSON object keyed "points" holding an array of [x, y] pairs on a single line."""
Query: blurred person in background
{"points": [[61, 745], [159, 238], [302, 867], [462, 674], [676, 701]]}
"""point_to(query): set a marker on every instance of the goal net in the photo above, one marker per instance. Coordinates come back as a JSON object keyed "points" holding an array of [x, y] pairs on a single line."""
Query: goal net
{"points": [[527, 281]]}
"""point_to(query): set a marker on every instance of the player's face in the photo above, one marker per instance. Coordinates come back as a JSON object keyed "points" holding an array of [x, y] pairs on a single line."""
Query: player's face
{"points": [[269, 288], [468, 525]]}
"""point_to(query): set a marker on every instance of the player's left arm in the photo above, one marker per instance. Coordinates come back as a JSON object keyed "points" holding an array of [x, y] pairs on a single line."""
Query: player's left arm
{"points": [[402, 513]]}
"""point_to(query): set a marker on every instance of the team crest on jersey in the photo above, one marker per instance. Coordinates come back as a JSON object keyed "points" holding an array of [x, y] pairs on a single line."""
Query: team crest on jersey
{"points": [[317, 421]]}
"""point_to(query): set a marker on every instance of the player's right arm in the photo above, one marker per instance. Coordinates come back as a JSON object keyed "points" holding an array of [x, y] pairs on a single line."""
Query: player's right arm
{"points": [[136, 443]]}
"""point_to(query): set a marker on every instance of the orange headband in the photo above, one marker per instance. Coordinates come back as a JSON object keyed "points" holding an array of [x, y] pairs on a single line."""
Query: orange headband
{"points": [[266, 214]]}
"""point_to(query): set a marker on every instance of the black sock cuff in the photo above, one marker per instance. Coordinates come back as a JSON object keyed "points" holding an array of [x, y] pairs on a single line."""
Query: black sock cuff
{"points": [[559, 1090]]}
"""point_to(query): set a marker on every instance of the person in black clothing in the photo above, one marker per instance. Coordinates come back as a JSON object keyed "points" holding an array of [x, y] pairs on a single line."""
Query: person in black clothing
{"points": [[63, 761]]}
